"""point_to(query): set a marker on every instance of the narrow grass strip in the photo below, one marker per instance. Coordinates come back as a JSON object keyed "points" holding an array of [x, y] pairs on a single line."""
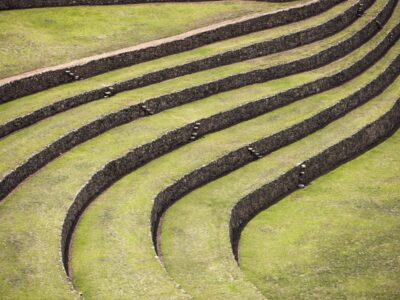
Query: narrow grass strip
{"points": [[195, 241], [132, 195], [52, 130], [338, 238], [36, 38], [31, 109], [46, 198], [21, 4], [12, 88], [243, 67]]}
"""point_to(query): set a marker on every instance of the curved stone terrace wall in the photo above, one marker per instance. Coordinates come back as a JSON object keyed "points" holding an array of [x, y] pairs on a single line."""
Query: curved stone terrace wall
{"points": [[67, 142], [23, 85], [138, 157], [282, 43], [249, 206], [24, 4]]}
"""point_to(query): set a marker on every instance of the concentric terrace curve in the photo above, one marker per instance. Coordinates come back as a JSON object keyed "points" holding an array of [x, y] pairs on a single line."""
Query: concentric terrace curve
{"points": [[141, 187], [127, 113], [15, 87]]}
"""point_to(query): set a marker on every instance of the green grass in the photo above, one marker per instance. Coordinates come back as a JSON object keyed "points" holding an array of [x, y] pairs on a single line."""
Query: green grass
{"points": [[26, 105], [46, 196], [32, 215], [105, 249], [36, 38], [13, 147], [336, 239], [195, 237]]}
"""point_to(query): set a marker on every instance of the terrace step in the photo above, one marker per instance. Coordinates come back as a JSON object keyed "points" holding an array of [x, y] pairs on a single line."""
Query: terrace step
{"points": [[26, 84], [63, 178], [195, 242], [31, 109], [59, 133], [59, 182], [133, 194], [21, 4], [359, 203]]}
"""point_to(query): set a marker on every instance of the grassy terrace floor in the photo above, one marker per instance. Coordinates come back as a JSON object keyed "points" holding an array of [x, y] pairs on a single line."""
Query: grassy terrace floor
{"points": [[36, 38], [26, 105], [336, 239], [106, 248], [14, 150], [38, 236], [195, 237], [112, 255]]}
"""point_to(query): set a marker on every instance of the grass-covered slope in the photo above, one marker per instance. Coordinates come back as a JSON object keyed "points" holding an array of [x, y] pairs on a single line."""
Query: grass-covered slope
{"points": [[195, 241], [46, 196], [27, 105], [104, 242], [37, 38], [112, 255], [338, 238], [52, 129]]}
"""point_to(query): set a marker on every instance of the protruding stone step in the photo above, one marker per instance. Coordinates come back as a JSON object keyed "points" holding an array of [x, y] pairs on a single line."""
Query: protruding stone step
{"points": [[360, 10], [268, 180], [195, 133], [146, 109], [73, 75], [254, 152]]}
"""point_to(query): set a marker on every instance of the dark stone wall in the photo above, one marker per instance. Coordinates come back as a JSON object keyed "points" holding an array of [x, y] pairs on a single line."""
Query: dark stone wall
{"points": [[243, 156], [138, 157], [23, 4], [316, 166], [34, 163], [48, 79], [282, 43]]}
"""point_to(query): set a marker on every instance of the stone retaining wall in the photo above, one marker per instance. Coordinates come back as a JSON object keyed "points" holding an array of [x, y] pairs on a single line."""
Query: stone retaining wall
{"points": [[257, 50], [316, 166], [139, 156], [242, 156], [24, 4], [159, 104], [281, 1], [56, 76]]}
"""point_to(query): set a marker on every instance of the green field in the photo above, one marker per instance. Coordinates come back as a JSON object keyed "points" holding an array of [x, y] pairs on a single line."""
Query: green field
{"points": [[28, 104], [53, 128], [37, 38], [197, 252], [335, 239], [100, 220]]}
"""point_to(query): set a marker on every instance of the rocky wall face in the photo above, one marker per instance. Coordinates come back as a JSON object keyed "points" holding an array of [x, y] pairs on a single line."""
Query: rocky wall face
{"points": [[23, 4], [47, 79], [161, 103], [316, 166], [257, 50], [280, 1], [237, 159], [136, 158]]}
